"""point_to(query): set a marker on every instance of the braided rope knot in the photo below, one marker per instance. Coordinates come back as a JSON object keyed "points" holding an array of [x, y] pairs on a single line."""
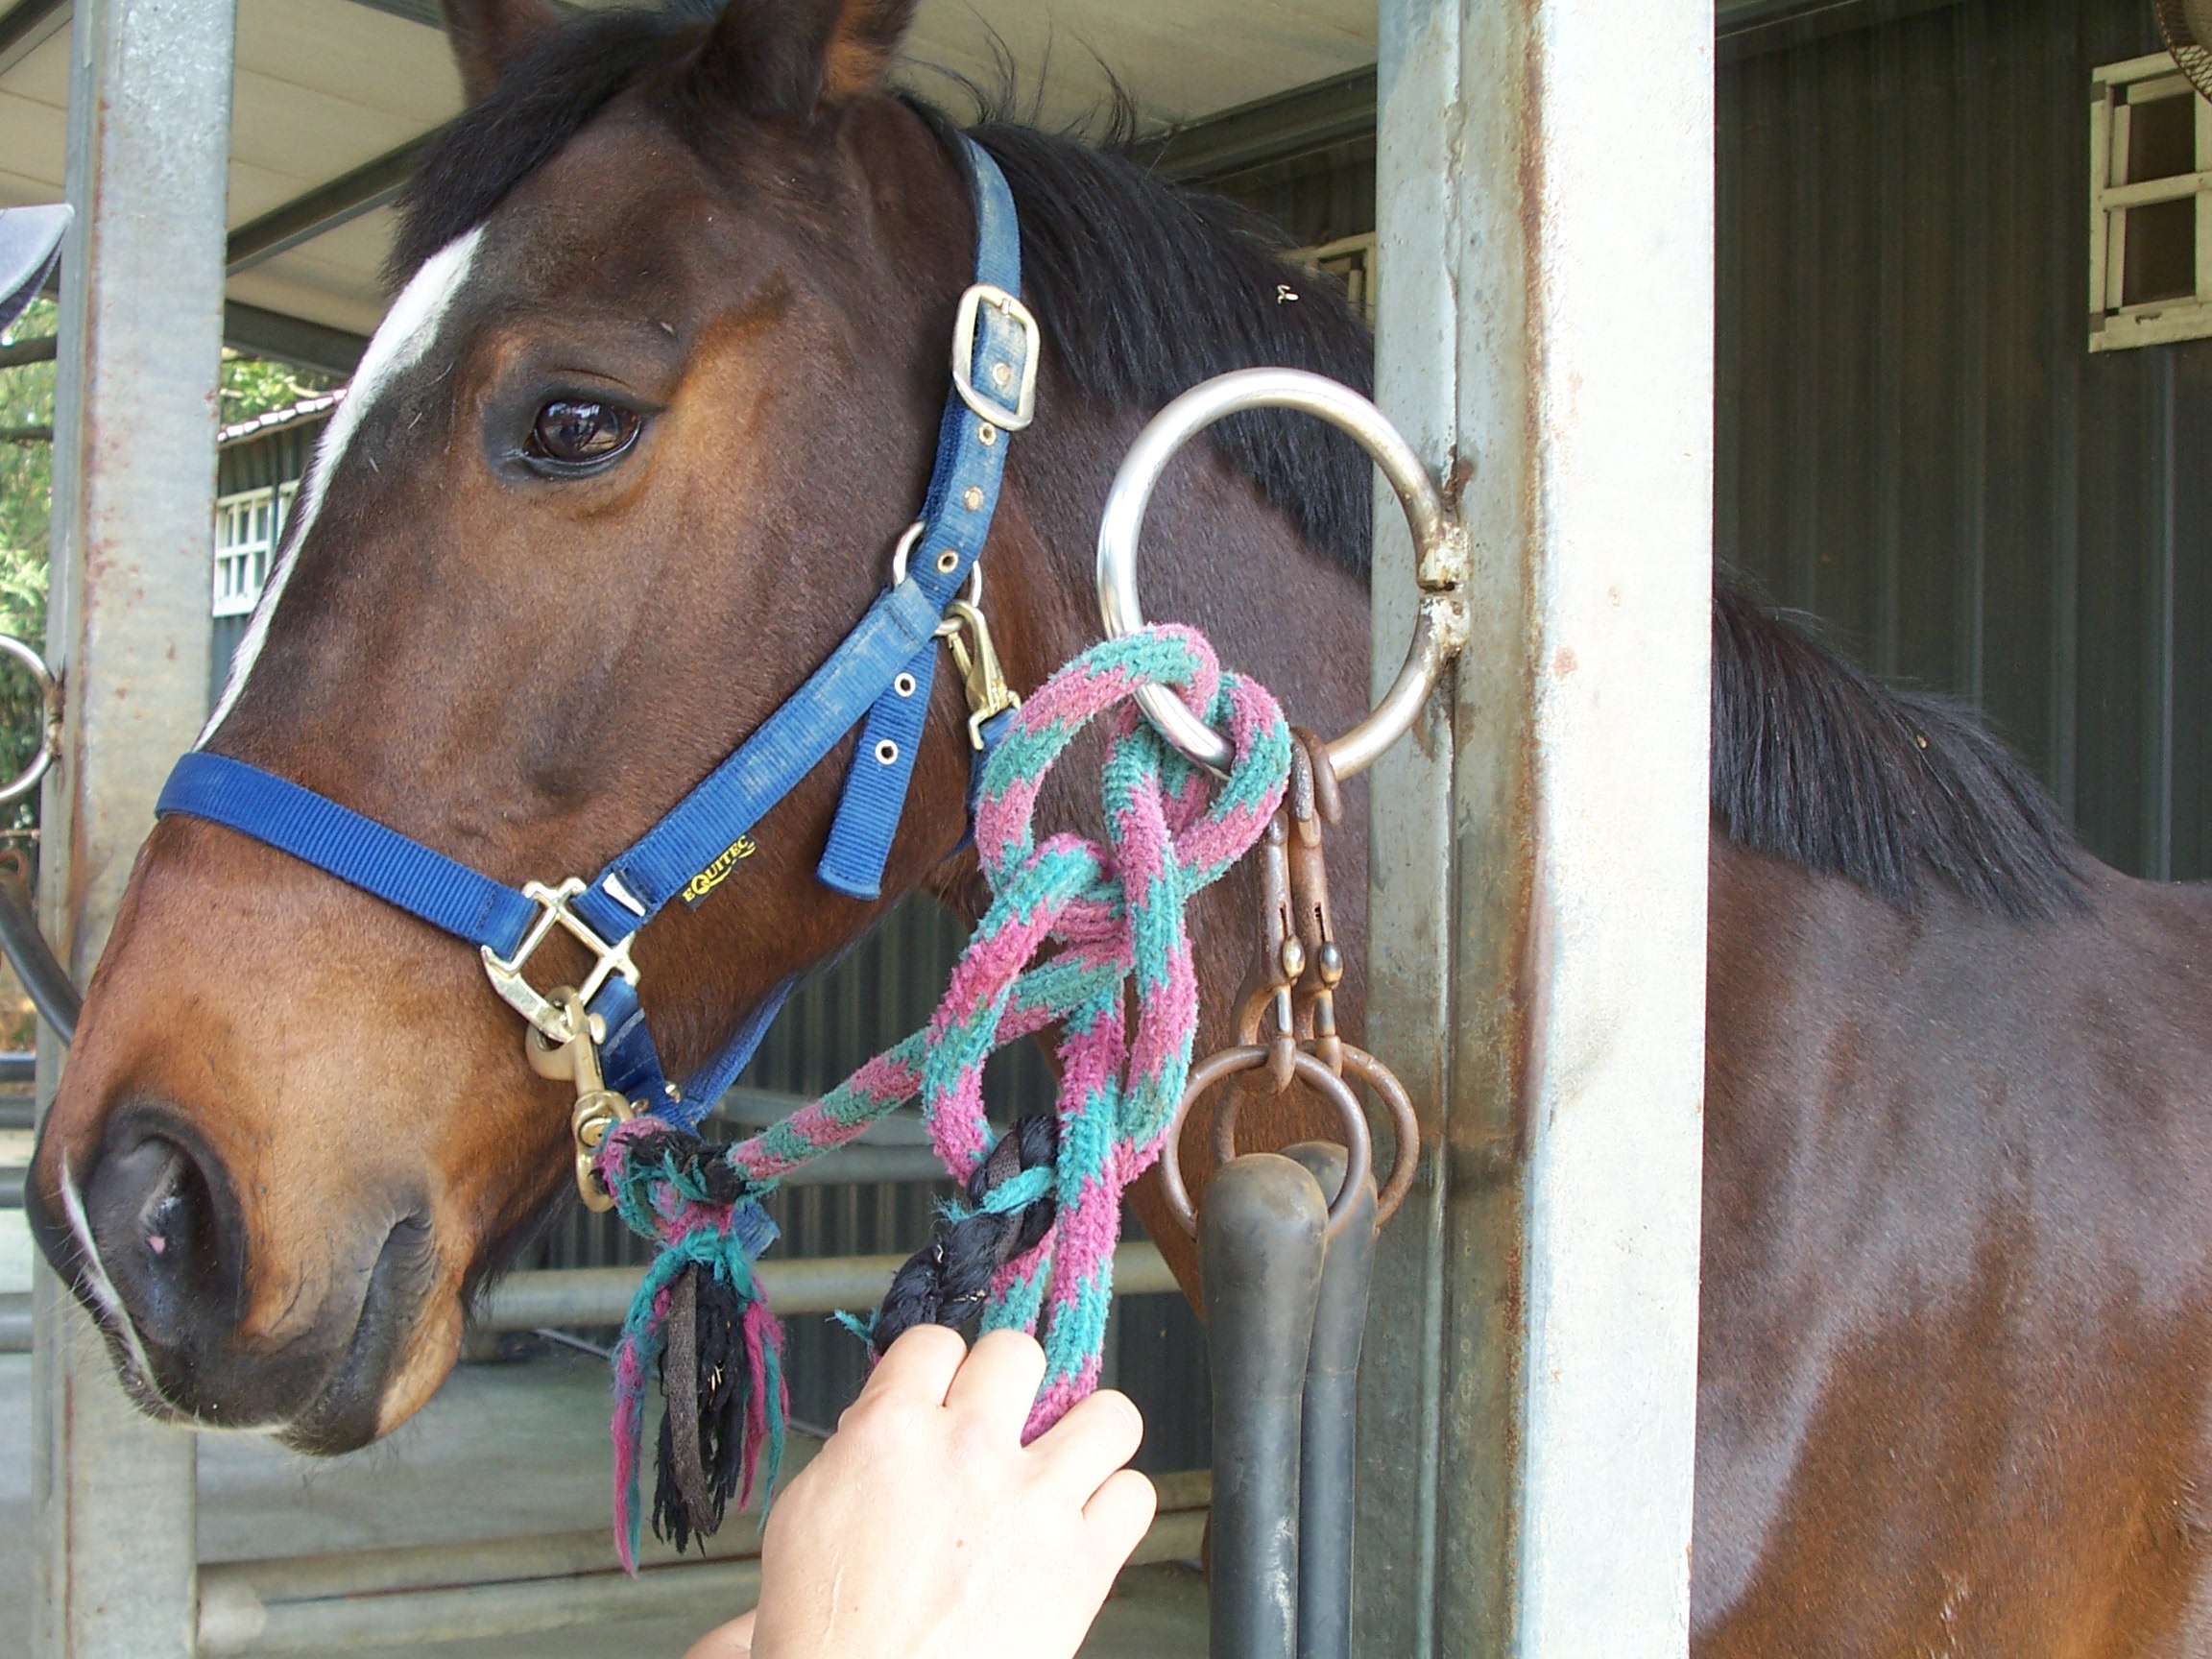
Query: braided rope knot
{"points": [[1089, 937]]}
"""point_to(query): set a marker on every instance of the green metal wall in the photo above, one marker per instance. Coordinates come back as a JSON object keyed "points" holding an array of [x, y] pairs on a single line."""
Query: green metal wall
{"points": [[1915, 444]]}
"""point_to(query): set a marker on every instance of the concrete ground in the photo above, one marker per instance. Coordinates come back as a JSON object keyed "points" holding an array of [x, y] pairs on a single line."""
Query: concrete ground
{"points": [[502, 1450]]}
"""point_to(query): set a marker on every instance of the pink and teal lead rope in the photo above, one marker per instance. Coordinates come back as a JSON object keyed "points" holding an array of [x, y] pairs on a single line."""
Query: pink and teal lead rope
{"points": [[1117, 978]]}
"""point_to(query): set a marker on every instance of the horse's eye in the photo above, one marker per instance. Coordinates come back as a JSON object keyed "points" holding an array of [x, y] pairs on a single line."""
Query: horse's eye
{"points": [[575, 431]]}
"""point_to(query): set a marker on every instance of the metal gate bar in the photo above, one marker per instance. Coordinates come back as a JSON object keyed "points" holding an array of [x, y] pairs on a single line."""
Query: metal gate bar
{"points": [[1537, 914], [134, 493], [516, 1586], [587, 1296]]}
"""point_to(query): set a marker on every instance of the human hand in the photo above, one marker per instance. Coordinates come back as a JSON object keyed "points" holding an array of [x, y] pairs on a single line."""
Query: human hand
{"points": [[926, 1530]]}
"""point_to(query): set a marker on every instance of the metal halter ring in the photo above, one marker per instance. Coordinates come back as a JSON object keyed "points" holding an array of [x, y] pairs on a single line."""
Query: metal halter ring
{"points": [[905, 548], [50, 744], [1438, 541], [1358, 1143]]}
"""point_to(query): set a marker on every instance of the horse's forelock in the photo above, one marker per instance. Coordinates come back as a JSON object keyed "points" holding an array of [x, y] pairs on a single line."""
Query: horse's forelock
{"points": [[549, 96]]}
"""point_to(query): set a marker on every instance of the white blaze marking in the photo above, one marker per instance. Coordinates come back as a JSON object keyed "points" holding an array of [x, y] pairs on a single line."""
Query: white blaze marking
{"points": [[95, 1278], [406, 332]]}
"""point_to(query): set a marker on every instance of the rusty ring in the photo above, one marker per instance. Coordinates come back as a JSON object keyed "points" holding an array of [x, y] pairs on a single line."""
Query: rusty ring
{"points": [[1359, 1151], [1404, 1128]]}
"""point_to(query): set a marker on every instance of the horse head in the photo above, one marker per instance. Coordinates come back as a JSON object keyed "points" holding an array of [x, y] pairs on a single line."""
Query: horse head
{"points": [[626, 461]]}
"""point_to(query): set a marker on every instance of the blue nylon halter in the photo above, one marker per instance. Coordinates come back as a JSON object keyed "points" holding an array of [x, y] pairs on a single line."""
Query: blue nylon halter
{"points": [[881, 673]]}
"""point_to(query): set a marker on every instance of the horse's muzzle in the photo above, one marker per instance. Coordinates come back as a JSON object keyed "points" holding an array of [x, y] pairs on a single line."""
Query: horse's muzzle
{"points": [[153, 1240]]}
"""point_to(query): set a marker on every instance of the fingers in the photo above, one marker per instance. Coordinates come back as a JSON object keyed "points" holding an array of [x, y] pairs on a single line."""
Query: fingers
{"points": [[1118, 1515], [730, 1641], [999, 1379], [1097, 1437], [919, 1366]]}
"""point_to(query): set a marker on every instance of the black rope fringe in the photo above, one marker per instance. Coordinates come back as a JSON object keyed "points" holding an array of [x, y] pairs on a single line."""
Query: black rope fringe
{"points": [[948, 1279]]}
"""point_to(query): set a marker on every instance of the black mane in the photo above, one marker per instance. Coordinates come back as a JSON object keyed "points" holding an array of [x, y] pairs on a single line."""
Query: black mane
{"points": [[1819, 763], [1146, 289]]}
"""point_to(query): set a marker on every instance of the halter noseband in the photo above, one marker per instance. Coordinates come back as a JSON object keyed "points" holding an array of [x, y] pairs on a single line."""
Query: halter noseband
{"points": [[881, 673]]}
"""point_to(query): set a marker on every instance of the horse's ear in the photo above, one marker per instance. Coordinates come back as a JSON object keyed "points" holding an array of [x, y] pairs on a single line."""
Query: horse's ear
{"points": [[488, 34], [787, 57]]}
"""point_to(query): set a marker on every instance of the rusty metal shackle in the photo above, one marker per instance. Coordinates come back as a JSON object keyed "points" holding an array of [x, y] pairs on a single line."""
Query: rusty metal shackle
{"points": [[1359, 1141], [1439, 543]]}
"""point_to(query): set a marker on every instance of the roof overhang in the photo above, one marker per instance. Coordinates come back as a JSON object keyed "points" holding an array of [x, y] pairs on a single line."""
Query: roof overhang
{"points": [[334, 99]]}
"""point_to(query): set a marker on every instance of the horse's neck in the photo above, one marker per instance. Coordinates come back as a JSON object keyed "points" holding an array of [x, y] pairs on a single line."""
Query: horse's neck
{"points": [[1214, 555]]}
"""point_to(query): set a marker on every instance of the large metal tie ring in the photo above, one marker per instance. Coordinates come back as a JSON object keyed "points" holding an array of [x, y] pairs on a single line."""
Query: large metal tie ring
{"points": [[50, 702], [1438, 541]]}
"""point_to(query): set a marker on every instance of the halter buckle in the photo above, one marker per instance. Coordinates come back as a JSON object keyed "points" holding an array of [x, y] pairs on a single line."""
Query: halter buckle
{"points": [[1009, 417], [548, 1017]]}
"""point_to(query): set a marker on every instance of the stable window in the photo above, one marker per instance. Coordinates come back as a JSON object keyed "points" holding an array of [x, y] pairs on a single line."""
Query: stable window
{"points": [[2150, 206], [249, 527], [1351, 262]]}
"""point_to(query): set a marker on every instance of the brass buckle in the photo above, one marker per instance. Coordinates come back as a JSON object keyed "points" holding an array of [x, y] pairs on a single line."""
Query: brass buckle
{"points": [[1010, 417], [545, 1015]]}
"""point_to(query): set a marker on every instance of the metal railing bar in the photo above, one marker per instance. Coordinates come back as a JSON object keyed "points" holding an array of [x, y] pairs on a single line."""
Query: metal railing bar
{"points": [[598, 1296]]}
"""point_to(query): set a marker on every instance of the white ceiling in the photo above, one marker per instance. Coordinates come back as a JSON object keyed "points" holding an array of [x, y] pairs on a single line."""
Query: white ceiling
{"points": [[324, 85]]}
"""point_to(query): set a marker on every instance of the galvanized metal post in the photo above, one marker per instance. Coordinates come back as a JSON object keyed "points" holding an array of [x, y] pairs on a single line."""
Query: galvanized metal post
{"points": [[134, 488], [1537, 921]]}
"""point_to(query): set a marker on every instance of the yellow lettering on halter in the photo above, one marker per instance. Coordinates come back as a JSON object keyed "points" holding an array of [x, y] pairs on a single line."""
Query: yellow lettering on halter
{"points": [[712, 878]]}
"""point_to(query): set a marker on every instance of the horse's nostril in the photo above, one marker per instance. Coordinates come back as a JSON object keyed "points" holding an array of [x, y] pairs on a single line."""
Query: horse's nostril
{"points": [[156, 1224]]}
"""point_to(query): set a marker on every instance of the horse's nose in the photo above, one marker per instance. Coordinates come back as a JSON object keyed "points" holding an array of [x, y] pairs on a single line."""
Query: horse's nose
{"points": [[161, 1251], [157, 1217]]}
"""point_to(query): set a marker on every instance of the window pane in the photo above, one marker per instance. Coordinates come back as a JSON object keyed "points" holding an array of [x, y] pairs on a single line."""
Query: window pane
{"points": [[2162, 138], [2161, 259]]}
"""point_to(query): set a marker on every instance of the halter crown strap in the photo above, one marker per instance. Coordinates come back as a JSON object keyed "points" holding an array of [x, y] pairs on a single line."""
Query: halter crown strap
{"points": [[882, 671], [994, 371]]}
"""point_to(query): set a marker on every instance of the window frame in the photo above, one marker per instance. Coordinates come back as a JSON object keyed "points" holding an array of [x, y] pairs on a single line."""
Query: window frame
{"points": [[2114, 326], [1361, 247], [245, 564]]}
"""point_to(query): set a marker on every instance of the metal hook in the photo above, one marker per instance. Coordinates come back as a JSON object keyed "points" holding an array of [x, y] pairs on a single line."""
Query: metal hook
{"points": [[1438, 541]]}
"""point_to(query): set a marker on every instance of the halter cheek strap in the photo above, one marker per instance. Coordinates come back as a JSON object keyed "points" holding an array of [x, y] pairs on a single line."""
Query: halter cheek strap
{"points": [[879, 677]]}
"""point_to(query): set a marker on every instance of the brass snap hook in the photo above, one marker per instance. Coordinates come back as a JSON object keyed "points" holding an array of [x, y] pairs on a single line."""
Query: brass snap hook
{"points": [[598, 1108]]}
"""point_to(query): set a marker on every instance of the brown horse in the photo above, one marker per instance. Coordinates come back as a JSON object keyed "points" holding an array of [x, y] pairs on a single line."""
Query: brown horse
{"points": [[625, 462]]}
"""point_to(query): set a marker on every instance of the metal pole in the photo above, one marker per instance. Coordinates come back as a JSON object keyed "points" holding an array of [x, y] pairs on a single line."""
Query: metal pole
{"points": [[1260, 1248], [1538, 860], [794, 1285], [134, 490]]}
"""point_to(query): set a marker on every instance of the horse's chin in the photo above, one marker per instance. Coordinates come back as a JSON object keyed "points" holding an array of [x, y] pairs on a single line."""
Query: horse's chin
{"points": [[429, 1361], [380, 1383]]}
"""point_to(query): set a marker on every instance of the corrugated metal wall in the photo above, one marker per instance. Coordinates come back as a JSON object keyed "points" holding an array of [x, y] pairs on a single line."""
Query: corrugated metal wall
{"points": [[1915, 444]]}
